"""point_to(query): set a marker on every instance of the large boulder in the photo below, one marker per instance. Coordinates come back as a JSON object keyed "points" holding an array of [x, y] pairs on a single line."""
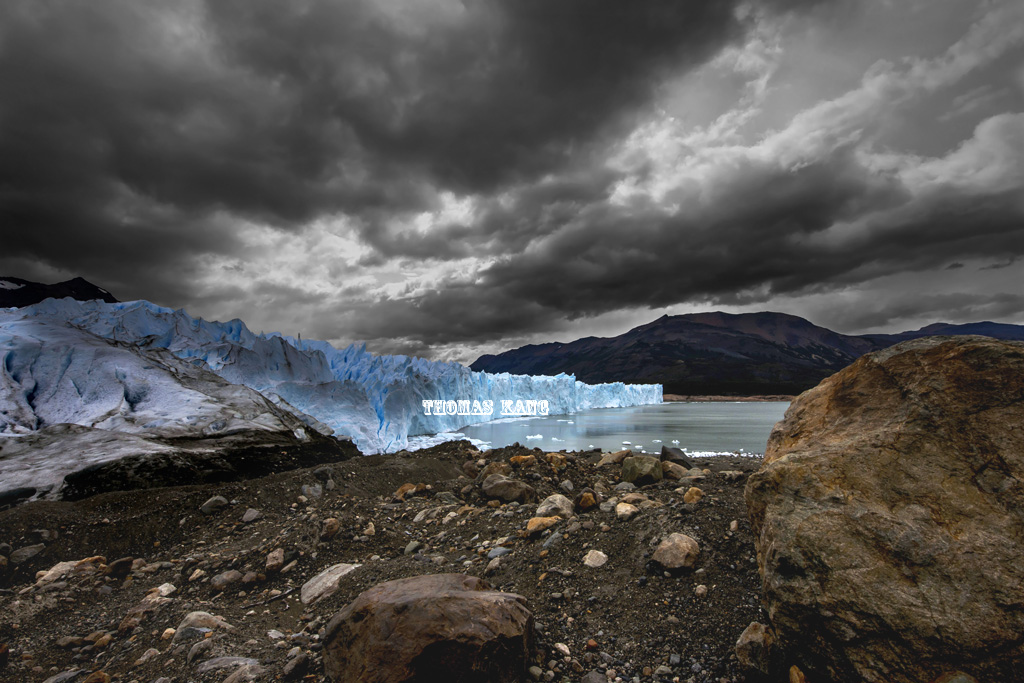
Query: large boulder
{"points": [[449, 627], [888, 516]]}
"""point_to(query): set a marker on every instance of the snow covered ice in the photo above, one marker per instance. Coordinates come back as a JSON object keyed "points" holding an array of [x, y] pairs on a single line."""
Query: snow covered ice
{"points": [[123, 367]]}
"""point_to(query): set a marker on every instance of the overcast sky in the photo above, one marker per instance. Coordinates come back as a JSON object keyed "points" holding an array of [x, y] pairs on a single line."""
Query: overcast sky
{"points": [[452, 177]]}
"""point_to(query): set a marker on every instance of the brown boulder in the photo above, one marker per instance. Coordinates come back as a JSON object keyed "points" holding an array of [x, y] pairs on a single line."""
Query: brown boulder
{"points": [[449, 627], [887, 516], [507, 489]]}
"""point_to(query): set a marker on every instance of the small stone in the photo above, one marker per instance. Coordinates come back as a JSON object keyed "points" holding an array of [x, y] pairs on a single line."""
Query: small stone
{"points": [[412, 547], [539, 524], [625, 511], [167, 634], [507, 489], [566, 485], [734, 525], [497, 551], [700, 591], [199, 620], [225, 580], [404, 490], [251, 515], [275, 560], [296, 667], [586, 499], [677, 551], [614, 458], [555, 505], [331, 527], [754, 647], [214, 504], [671, 470], [556, 460], [692, 495], [370, 530], [563, 649], [97, 677], [247, 673], [218, 663], [797, 676], [312, 492], [595, 559], [27, 553], [200, 649], [523, 460], [119, 569]]}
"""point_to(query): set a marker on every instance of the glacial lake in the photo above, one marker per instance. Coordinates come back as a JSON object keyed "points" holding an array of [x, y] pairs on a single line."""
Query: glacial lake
{"points": [[701, 428]]}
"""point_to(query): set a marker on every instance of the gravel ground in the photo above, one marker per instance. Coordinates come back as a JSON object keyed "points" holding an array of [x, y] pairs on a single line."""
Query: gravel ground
{"points": [[627, 619]]}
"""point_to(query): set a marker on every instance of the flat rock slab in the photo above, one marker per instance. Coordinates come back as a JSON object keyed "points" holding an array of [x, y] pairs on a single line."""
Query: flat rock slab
{"points": [[325, 583], [449, 627], [887, 516]]}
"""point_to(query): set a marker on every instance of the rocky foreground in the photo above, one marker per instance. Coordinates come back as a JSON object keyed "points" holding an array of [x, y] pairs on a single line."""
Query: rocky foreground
{"points": [[238, 581], [885, 541]]}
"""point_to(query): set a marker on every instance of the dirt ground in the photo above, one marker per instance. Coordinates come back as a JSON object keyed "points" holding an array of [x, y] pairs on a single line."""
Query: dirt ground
{"points": [[627, 619]]}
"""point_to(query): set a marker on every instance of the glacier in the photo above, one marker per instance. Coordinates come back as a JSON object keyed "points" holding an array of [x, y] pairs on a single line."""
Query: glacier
{"points": [[376, 400]]}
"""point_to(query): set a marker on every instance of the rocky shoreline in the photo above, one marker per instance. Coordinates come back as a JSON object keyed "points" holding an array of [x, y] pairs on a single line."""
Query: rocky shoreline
{"points": [[126, 569]]}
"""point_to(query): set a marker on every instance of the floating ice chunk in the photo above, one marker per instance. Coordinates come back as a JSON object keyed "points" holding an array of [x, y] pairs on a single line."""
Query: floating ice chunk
{"points": [[656, 440], [675, 441], [534, 436], [626, 443]]}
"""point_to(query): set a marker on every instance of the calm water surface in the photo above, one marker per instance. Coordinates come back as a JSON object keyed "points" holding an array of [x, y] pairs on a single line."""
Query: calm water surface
{"points": [[698, 427]]}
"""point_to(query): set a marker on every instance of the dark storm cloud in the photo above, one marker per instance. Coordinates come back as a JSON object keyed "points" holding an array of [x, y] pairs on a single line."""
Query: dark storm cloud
{"points": [[126, 123], [771, 241], [958, 307]]}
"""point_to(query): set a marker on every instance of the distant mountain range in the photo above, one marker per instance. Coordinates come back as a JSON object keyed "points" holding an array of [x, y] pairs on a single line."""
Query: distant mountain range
{"points": [[15, 292], [718, 353]]}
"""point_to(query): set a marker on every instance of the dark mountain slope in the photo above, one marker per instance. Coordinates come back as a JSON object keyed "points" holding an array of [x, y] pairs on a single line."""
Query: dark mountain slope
{"points": [[717, 353], [15, 292]]}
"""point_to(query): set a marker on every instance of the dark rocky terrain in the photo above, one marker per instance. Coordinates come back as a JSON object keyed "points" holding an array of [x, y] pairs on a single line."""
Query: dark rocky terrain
{"points": [[15, 292], [718, 353], [629, 619]]}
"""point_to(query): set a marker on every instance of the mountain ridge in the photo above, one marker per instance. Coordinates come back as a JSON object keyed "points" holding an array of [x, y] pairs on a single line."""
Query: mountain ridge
{"points": [[18, 293], [737, 354]]}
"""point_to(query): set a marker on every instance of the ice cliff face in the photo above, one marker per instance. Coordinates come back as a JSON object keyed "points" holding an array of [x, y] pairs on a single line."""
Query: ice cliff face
{"points": [[375, 400]]}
